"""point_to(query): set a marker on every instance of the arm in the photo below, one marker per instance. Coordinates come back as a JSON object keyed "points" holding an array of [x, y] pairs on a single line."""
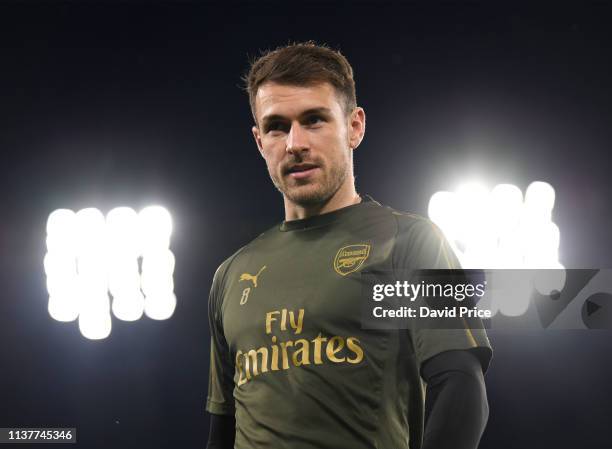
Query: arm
{"points": [[456, 408], [452, 360], [220, 400], [222, 432]]}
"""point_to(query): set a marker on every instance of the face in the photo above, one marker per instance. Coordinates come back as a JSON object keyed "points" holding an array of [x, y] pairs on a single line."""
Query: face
{"points": [[306, 139]]}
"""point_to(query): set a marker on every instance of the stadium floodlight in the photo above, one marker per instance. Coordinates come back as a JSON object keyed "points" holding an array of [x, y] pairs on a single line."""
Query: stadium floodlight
{"points": [[157, 283], [124, 286], [90, 235], [94, 317], [539, 201], [498, 228], [443, 211], [156, 227], [129, 305], [160, 306], [123, 232], [61, 228], [60, 269], [506, 203], [124, 248], [60, 265], [501, 228], [90, 256]]}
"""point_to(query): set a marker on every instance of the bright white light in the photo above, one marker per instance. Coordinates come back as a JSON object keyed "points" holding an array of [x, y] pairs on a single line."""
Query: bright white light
{"points": [[506, 204], [61, 286], [58, 264], [60, 267], [160, 307], [95, 326], [61, 227], [510, 251], [60, 221], [497, 229], [443, 210], [471, 204], [90, 256], [90, 232], [123, 275], [123, 232], [512, 292], [540, 200], [64, 308], [63, 297], [93, 275], [547, 281], [158, 262], [541, 245], [156, 228], [157, 269], [124, 285], [94, 318], [128, 306]]}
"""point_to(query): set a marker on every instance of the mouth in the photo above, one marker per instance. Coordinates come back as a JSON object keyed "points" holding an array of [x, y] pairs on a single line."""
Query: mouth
{"points": [[301, 171]]}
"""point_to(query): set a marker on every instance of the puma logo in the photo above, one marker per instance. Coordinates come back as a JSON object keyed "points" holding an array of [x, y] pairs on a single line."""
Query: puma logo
{"points": [[250, 277]]}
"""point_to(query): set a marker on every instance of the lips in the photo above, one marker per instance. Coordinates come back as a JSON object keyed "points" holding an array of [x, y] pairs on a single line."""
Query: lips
{"points": [[301, 172], [297, 168]]}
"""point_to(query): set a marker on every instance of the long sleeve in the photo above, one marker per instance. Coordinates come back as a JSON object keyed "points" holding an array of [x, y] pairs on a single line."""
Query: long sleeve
{"points": [[456, 407], [222, 432]]}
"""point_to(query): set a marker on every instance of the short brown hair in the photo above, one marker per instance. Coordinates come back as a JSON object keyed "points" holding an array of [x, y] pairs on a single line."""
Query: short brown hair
{"points": [[303, 64]]}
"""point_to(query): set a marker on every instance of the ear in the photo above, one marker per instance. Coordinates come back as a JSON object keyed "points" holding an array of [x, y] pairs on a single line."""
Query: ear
{"points": [[257, 137], [356, 127]]}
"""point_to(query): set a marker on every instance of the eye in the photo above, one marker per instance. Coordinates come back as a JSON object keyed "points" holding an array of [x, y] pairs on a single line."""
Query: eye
{"points": [[274, 126], [314, 119]]}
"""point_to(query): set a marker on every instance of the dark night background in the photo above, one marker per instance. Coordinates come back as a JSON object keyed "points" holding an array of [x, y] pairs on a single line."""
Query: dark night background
{"points": [[136, 103]]}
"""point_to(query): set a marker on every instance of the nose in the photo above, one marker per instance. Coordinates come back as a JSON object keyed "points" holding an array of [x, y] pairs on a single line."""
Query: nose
{"points": [[297, 139]]}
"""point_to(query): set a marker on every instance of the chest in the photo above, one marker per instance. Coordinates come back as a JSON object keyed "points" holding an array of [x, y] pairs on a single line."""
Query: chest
{"points": [[301, 288]]}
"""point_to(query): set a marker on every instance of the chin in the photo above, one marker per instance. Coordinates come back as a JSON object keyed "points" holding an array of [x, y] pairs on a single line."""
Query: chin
{"points": [[308, 194]]}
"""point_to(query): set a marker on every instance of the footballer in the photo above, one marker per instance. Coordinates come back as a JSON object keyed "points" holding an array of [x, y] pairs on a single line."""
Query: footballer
{"points": [[291, 366]]}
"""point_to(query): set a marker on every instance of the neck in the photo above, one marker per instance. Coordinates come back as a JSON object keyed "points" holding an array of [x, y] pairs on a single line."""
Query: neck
{"points": [[345, 196]]}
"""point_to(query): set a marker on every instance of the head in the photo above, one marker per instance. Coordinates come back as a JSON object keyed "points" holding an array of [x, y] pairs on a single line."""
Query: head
{"points": [[307, 123]]}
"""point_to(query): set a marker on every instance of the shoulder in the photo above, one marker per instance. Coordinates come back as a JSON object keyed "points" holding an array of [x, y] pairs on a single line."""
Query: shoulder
{"points": [[420, 243], [224, 268], [411, 230], [411, 226]]}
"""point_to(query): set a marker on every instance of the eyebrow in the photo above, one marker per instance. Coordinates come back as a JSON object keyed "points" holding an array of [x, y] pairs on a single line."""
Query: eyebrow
{"points": [[272, 117]]}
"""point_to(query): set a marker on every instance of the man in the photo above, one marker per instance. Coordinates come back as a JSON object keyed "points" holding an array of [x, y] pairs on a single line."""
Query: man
{"points": [[291, 366]]}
